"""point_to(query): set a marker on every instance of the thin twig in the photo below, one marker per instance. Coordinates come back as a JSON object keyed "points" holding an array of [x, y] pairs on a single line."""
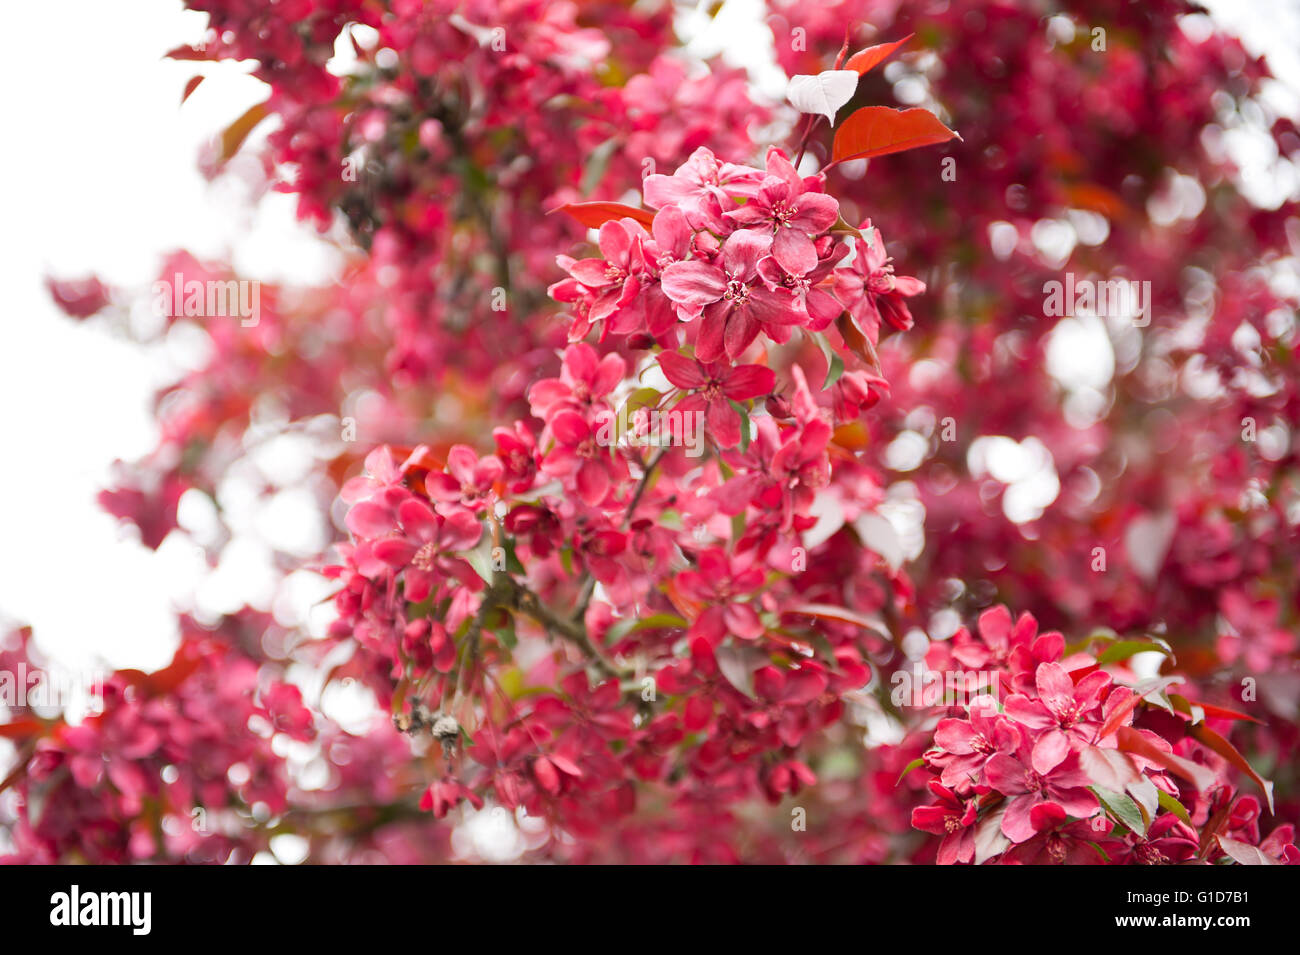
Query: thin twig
{"points": [[641, 486]]}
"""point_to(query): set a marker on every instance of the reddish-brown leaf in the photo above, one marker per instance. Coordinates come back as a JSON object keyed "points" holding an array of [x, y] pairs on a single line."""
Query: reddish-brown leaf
{"points": [[233, 136], [1131, 741], [22, 728], [868, 59], [1219, 812], [595, 214], [1222, 712], [161, 682], [191, 86], [857, 342], [841, 615], [688, 608], [1140, 692], [879, 131], [1207, 737], [1095, 198], [188, 52]]}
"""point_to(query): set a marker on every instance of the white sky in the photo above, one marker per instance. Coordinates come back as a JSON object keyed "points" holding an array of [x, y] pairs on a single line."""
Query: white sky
{"points": [[101, 176]]}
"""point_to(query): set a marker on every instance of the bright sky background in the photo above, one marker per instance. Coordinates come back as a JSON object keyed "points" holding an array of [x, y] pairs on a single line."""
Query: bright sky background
{"points": [[100, 169]]}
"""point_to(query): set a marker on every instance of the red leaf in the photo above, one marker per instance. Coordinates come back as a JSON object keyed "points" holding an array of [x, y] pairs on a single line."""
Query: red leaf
{"points": [[595, 214], [1222, 712], [1131, 741], [21, 728], [879, 130], [188, 658], [868, 59], [1140, 692], [857, 342], [233, 136], [841, 615], [187, 52], [191, 86], [1218, 817], [1207, 737]]}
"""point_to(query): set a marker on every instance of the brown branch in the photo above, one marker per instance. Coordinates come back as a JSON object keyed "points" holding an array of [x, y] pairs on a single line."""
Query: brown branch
{"points": [[529, 604]]}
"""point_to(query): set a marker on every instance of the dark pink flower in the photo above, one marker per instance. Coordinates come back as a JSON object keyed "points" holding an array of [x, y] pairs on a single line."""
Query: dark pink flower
{"points": [[718, 584], [1058, 842], [612, 278], [1063, 709], [517, 452], [734, 306], [381, 472], [1064, 786], [713, 387], [702, 188], [581, 459], [871, 291], [445, 793], [585, 379], [966, 746], [468, 480], [792, 213], [427, 545], [812, 289], [952, 818]]}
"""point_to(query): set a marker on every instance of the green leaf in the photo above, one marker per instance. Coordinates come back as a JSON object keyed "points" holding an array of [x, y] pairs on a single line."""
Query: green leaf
{"points": [[480, 558], [643, 398], [744, 423], [738, 526], [597, 163], [513, 564], [1100, 851], [1122, 808], [919, 761], [843, 227], [834, 364], [1124, 649], [1170, 804], [659, 621], [833, 373]]}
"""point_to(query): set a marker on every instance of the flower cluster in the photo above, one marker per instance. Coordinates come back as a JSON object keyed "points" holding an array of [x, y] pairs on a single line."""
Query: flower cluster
{"points": [[1074, 767], [733, 252], [458, 559], [169, 768]]}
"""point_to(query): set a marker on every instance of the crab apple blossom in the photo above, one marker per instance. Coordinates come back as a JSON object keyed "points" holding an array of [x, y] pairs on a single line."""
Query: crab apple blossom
{"points": [[648, 652]]}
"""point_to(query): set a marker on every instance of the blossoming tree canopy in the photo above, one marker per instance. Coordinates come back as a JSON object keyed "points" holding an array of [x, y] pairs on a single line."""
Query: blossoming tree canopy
{"points": [[630, 430]]}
